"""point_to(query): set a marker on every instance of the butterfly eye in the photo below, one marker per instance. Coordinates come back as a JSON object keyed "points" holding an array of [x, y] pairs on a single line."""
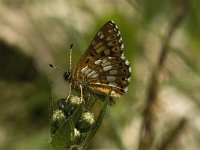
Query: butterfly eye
{"points": [[67, 75]]}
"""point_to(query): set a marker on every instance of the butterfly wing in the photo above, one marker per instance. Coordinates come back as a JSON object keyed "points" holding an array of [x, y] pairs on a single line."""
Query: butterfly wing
{"points": [[103, 66]]}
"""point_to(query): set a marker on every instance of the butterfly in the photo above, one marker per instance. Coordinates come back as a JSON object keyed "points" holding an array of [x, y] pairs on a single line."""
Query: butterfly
{"points": [[103, 67]]}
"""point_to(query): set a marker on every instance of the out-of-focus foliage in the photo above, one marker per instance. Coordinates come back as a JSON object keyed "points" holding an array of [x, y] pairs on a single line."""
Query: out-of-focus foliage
{"points": [[36, 33]]}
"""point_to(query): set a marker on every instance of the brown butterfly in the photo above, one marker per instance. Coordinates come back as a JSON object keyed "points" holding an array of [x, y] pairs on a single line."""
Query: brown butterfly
{"points": [[103, 67]]}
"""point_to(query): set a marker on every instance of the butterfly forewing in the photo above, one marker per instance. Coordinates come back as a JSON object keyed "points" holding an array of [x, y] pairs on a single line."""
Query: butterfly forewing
{"points": [[103, 66]]}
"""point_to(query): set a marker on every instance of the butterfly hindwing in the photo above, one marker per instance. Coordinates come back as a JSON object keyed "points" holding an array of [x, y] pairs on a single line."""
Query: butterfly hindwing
{"points": [[111, 73]]}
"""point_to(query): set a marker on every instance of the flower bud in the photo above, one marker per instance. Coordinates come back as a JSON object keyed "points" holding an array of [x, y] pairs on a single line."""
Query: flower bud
{"points": [[76, 138], [85, 122], [72, 104], [57, 119], [75, 147]]}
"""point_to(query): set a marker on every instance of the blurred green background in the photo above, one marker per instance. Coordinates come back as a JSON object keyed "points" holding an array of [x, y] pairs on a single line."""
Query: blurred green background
{"points": [[34, 34]]}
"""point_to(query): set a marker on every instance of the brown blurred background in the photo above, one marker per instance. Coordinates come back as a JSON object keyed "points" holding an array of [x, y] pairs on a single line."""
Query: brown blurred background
{"points": [[162, 43]]}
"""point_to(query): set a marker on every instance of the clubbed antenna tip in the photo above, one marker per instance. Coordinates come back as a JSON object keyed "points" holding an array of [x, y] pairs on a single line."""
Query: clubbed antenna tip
{"points": [[51, 65], [71, 46]]}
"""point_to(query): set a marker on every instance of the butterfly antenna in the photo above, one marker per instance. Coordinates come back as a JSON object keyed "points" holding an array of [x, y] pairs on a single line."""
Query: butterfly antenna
{"points": [[70, 58], [52, 66], [51, 106]]}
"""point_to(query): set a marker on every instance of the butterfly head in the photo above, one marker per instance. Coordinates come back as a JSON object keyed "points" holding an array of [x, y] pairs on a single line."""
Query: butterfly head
{"points": [[67, 75]]}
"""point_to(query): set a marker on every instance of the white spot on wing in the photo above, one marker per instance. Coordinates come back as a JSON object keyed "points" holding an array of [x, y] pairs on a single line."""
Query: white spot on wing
{"points": [[110, 78], [101, 36], [84, 69], [122, 47], [113, 72], [110, 31], [129, 69], [94, 76], [112, 22], [98, 62], [129, 79], [112, 84], [107, 68], [87, 71], [106, 64], [126, 62], [98, 83], [122, 56], [104, 60], [120, 39], [126, 89], [99, 33], [91, 73]]}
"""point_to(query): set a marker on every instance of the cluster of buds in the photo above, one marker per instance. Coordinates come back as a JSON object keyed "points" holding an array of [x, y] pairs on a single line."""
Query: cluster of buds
{"points": [[66, 108]]}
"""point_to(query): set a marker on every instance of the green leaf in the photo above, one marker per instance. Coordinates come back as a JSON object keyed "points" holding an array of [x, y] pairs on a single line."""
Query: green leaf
{"points": [[62, 136]]}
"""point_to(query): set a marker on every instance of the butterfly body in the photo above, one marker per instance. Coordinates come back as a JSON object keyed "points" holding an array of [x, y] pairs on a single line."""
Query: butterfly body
{"points": [[103, 67]]}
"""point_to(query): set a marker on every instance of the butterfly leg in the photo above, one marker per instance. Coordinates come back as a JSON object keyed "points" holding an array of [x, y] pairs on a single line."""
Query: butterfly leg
{"points": [[70, 87], [81, 92], [87, 100]]}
